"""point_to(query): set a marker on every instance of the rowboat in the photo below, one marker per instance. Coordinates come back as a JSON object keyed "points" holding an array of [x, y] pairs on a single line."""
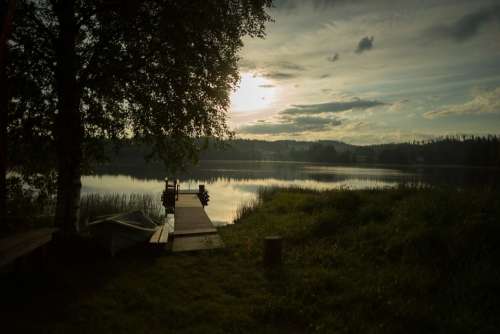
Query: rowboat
{"points": [[120, 231]]}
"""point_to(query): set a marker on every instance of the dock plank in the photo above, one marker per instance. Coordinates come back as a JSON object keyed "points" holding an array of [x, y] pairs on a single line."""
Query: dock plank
{"points": [[163, 238], [188, 201], [156, 236], [195, 231], [196, 243], [21, 244], [191, 218], [193, 228]]}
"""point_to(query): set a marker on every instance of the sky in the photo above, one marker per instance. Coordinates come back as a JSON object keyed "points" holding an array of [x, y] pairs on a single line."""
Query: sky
{"points": [[371, 71]]}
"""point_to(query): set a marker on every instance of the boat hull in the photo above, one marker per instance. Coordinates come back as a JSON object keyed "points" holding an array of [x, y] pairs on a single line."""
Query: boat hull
{"points": [[120, 232]]}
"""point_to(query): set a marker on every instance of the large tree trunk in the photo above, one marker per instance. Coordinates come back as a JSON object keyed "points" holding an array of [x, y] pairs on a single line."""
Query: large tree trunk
{"points": [[3, 142], [68, 125], [5, 30]]}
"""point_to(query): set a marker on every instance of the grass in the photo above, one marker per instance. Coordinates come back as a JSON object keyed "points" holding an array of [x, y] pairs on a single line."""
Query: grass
{"points": [[95, 204], [368, 261]]}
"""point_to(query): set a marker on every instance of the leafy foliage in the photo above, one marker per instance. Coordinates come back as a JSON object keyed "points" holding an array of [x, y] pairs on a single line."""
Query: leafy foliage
{"points": [[160, 70]]}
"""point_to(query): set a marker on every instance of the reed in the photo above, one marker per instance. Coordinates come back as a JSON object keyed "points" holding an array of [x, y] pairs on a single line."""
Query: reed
{"points": [[93, 205]]}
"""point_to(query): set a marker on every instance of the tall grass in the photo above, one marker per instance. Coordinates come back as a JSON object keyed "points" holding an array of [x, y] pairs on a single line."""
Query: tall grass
{"points": [[94, 205], [264, 194], [414, 260]]}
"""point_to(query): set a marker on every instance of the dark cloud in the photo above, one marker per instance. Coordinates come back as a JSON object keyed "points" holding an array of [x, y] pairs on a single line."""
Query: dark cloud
{"points": [[316, 4], [279, 70], [365, 44], [467, 26], [282, 70], [291, 125], [267, 86], [280, 75], [334, 57], [330, 107], [286, 65]]}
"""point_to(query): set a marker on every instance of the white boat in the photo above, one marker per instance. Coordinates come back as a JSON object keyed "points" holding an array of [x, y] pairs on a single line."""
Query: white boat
{"points": [[120, 231]]}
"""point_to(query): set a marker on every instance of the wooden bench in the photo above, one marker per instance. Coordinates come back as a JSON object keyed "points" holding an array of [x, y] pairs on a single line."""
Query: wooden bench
{"points": [[21, 244], [160, 237]]}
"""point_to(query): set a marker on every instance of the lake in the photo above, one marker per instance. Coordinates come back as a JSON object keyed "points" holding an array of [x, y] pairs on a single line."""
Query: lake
{"points": [[231, 184]]}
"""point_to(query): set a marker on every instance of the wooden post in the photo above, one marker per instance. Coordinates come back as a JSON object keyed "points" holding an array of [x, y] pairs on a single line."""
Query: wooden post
{"points": [[169, 197], [203, 195], [272, 251], [177, 187]]}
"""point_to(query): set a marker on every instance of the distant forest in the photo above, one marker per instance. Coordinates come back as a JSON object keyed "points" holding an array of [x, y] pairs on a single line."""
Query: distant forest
{"points": [[457, 150]]}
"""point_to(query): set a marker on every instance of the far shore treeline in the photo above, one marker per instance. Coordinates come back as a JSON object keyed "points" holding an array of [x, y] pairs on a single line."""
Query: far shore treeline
{"points": [[456, 150]]}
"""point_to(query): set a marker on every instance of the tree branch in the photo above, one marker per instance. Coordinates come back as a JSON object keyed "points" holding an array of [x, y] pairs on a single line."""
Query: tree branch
{"points": [[41, 25], [91, 65]]}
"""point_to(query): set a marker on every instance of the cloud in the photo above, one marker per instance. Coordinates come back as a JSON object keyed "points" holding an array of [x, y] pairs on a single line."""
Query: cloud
{"points": [[330, 107], [334, 57], [309, 121], [290, 125], [398, 106], [286, 65], [484, 102], [467, 26], [365, 44], [267, 86], [280, 75], [294, 4], [283, 70], [246, 65]]}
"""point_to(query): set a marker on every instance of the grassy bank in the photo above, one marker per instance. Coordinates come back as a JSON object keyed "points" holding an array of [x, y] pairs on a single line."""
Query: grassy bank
{"points": [[372, 261]]}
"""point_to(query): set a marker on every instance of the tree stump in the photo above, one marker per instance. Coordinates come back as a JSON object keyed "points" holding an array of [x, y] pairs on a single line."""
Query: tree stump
{"points": [[272, 251]]}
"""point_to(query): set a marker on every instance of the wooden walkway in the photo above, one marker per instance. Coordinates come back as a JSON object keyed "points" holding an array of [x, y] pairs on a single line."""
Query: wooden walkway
{"points": [[193, 230], [18, 245]]}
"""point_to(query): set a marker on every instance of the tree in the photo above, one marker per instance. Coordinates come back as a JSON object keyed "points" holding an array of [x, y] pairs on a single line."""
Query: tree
{"points": [[7, 8], [160, 70]]}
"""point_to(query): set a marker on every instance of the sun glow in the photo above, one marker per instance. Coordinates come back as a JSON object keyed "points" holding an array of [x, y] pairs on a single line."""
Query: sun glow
{"points": [[253, 94]]}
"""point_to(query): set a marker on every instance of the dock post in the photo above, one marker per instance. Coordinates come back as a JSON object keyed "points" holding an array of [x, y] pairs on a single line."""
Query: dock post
{"points": [[272, 251], [203, 195], [169, 196]]}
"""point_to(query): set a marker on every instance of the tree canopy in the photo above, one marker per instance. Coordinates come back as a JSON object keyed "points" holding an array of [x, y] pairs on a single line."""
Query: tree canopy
{"points": [[157, 70]]}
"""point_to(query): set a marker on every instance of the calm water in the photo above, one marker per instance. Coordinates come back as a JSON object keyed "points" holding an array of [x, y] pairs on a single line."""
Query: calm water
{"points": [[232, 184]]}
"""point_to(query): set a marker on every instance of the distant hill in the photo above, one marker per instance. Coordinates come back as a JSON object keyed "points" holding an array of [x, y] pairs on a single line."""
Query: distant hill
{"points": [[457, 150], [242, 149]]}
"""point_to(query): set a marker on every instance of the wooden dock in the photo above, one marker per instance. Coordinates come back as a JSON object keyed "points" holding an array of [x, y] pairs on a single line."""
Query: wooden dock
{"points": [[193, 229], [22, 244]]}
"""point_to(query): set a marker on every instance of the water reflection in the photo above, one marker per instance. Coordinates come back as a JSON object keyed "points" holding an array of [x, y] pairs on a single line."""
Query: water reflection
{"points": [[234, 183]]}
